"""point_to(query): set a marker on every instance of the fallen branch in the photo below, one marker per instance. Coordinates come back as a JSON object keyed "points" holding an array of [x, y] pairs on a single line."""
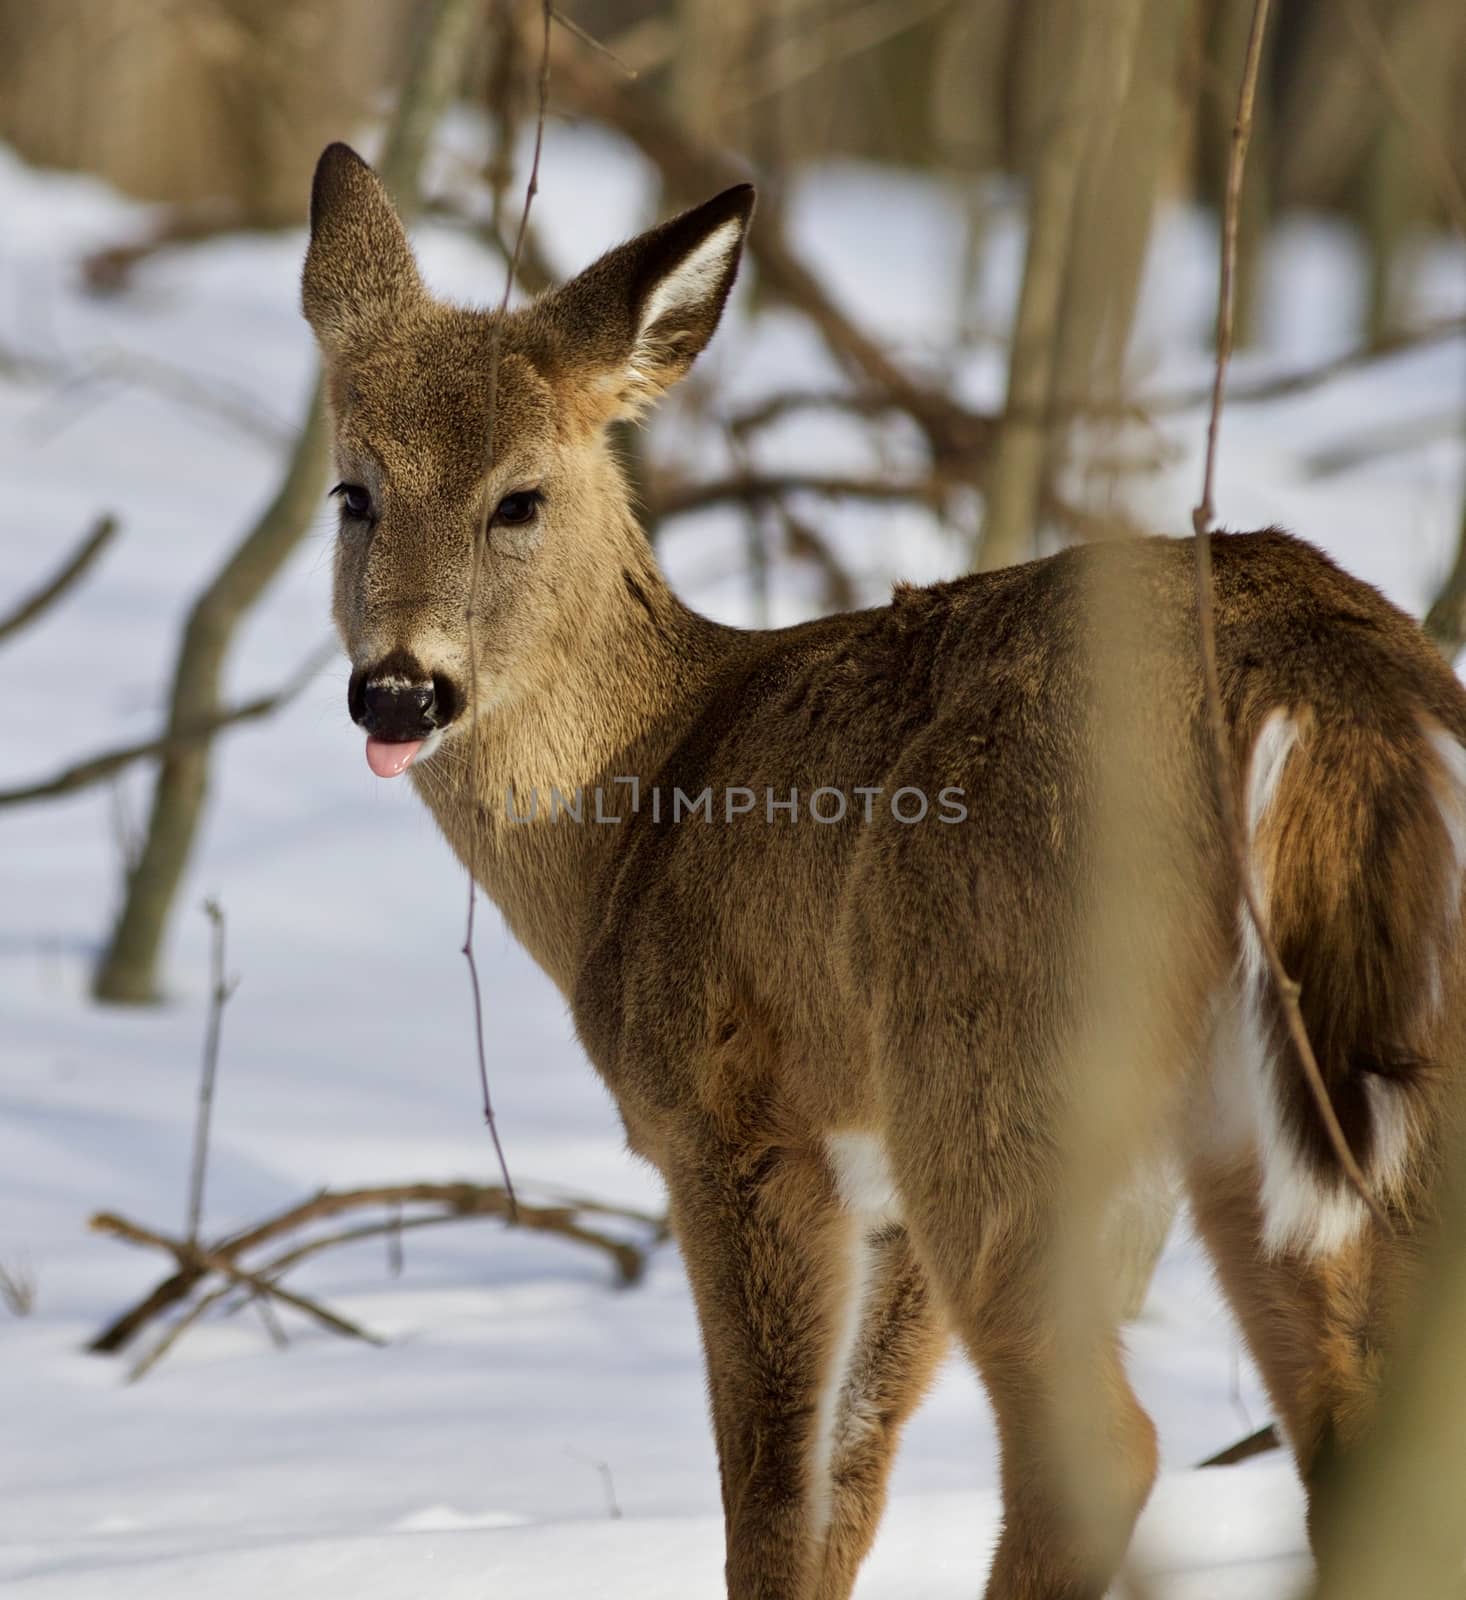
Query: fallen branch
{"points": [[1287, 990], [96, 769], [196, 1266], [203, 1260], [74, 568]]}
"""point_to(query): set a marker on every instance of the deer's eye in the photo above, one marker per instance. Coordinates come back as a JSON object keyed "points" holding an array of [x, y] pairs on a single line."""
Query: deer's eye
{"points": [[518, 507], [356, 499]]}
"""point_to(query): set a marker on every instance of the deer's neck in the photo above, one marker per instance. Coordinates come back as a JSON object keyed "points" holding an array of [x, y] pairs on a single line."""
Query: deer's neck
{"points": [[616, 698]]}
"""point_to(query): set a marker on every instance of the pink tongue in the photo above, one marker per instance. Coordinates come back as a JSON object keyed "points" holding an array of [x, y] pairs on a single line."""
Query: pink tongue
{"points": [[387, 760]]}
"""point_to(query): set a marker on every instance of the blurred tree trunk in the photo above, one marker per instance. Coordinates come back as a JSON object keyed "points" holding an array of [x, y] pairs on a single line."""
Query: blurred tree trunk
{"points": [[1399, 179], [128, 972], [1445, 622], [1120, 184], [1079, 60], [214, 106]]}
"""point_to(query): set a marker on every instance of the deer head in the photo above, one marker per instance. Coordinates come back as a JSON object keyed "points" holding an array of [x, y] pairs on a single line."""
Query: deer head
{"points": [[484, 521]]}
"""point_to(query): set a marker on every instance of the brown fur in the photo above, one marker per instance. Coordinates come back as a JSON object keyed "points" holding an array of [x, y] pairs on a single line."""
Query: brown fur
{"points": [[747, 988]]}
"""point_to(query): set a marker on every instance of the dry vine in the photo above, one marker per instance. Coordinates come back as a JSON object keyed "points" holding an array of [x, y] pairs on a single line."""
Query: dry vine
{"points": [[531, 189], [1201, 517]]}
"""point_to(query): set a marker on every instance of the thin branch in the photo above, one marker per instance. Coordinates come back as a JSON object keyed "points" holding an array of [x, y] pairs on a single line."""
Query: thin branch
{"points": [[195, 1313], [1256, 391], [95, 769], [1284, 385], [572, 26], [71, 570], [1382, 441], [220, 990], [745, 488], [454, 1202], [676, 499], [531, 189], [1201, 518], [190, 1256], [1255, 1444]]}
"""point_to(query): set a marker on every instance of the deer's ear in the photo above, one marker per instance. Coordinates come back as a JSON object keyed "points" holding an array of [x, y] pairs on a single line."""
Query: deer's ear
{"points": [[359, 270], [641, 314]]}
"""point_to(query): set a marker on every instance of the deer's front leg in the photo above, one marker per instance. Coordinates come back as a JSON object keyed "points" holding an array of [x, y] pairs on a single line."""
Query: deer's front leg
{"points": [[772, 1259]]}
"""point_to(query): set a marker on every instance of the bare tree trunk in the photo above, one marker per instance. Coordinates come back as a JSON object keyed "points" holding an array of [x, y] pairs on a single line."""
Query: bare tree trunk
{"points": [[1122, 179], [128, 970], [1445, 622], [1086, 50]]}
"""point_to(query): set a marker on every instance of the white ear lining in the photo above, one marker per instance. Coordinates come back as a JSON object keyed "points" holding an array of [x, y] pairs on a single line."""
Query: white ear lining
{"points": [[694, 278]]}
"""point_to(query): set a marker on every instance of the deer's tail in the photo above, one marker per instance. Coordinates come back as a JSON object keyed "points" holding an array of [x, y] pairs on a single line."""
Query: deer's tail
{"points": [[1356, 832]]}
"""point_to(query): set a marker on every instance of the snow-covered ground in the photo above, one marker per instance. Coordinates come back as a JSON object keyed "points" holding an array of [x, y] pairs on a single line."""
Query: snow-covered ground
{"points": [[479, 1452]]}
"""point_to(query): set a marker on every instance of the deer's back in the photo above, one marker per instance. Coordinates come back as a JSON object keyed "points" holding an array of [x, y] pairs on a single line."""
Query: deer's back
{"points": [[754, 940]]}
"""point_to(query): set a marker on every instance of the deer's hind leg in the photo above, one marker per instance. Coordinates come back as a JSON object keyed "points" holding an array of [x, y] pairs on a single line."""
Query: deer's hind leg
{"points": [[888, 1367], [1318, 1326], [982, 1186]]}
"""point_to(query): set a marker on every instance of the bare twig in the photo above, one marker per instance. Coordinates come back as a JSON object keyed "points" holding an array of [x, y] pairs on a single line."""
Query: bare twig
{"points": [[73, 568], [449, 1202], [1284, 385], [572, 26], [189, 1255], [95, 769], [195, 1313], [17, 1289], [752, 487], [1201, 518], [220, 989], [1381, 441], [531, 189], [744, 488], [1255, 1444], [867, 403]]}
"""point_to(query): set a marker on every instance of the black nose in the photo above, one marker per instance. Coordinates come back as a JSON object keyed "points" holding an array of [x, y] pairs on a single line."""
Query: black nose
{"points": [[396, 709]]}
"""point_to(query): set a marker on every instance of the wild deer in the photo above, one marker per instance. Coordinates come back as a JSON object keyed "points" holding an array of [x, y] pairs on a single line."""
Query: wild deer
{"points": [[846, 1034]]}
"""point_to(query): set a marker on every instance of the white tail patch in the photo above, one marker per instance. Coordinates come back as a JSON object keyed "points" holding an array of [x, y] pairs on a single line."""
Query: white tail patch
{"points": [[1299, 1212]]}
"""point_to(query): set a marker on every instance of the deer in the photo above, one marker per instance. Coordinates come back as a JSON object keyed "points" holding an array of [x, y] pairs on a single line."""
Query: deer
{"points": [[822, 933]]}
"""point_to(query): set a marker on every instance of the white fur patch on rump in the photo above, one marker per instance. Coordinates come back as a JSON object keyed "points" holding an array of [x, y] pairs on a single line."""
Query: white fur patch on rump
{"points": [[863, 1176]]}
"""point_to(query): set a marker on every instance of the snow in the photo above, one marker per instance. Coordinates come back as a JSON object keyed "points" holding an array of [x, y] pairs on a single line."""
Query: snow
{"points": [[521, 1395]]}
